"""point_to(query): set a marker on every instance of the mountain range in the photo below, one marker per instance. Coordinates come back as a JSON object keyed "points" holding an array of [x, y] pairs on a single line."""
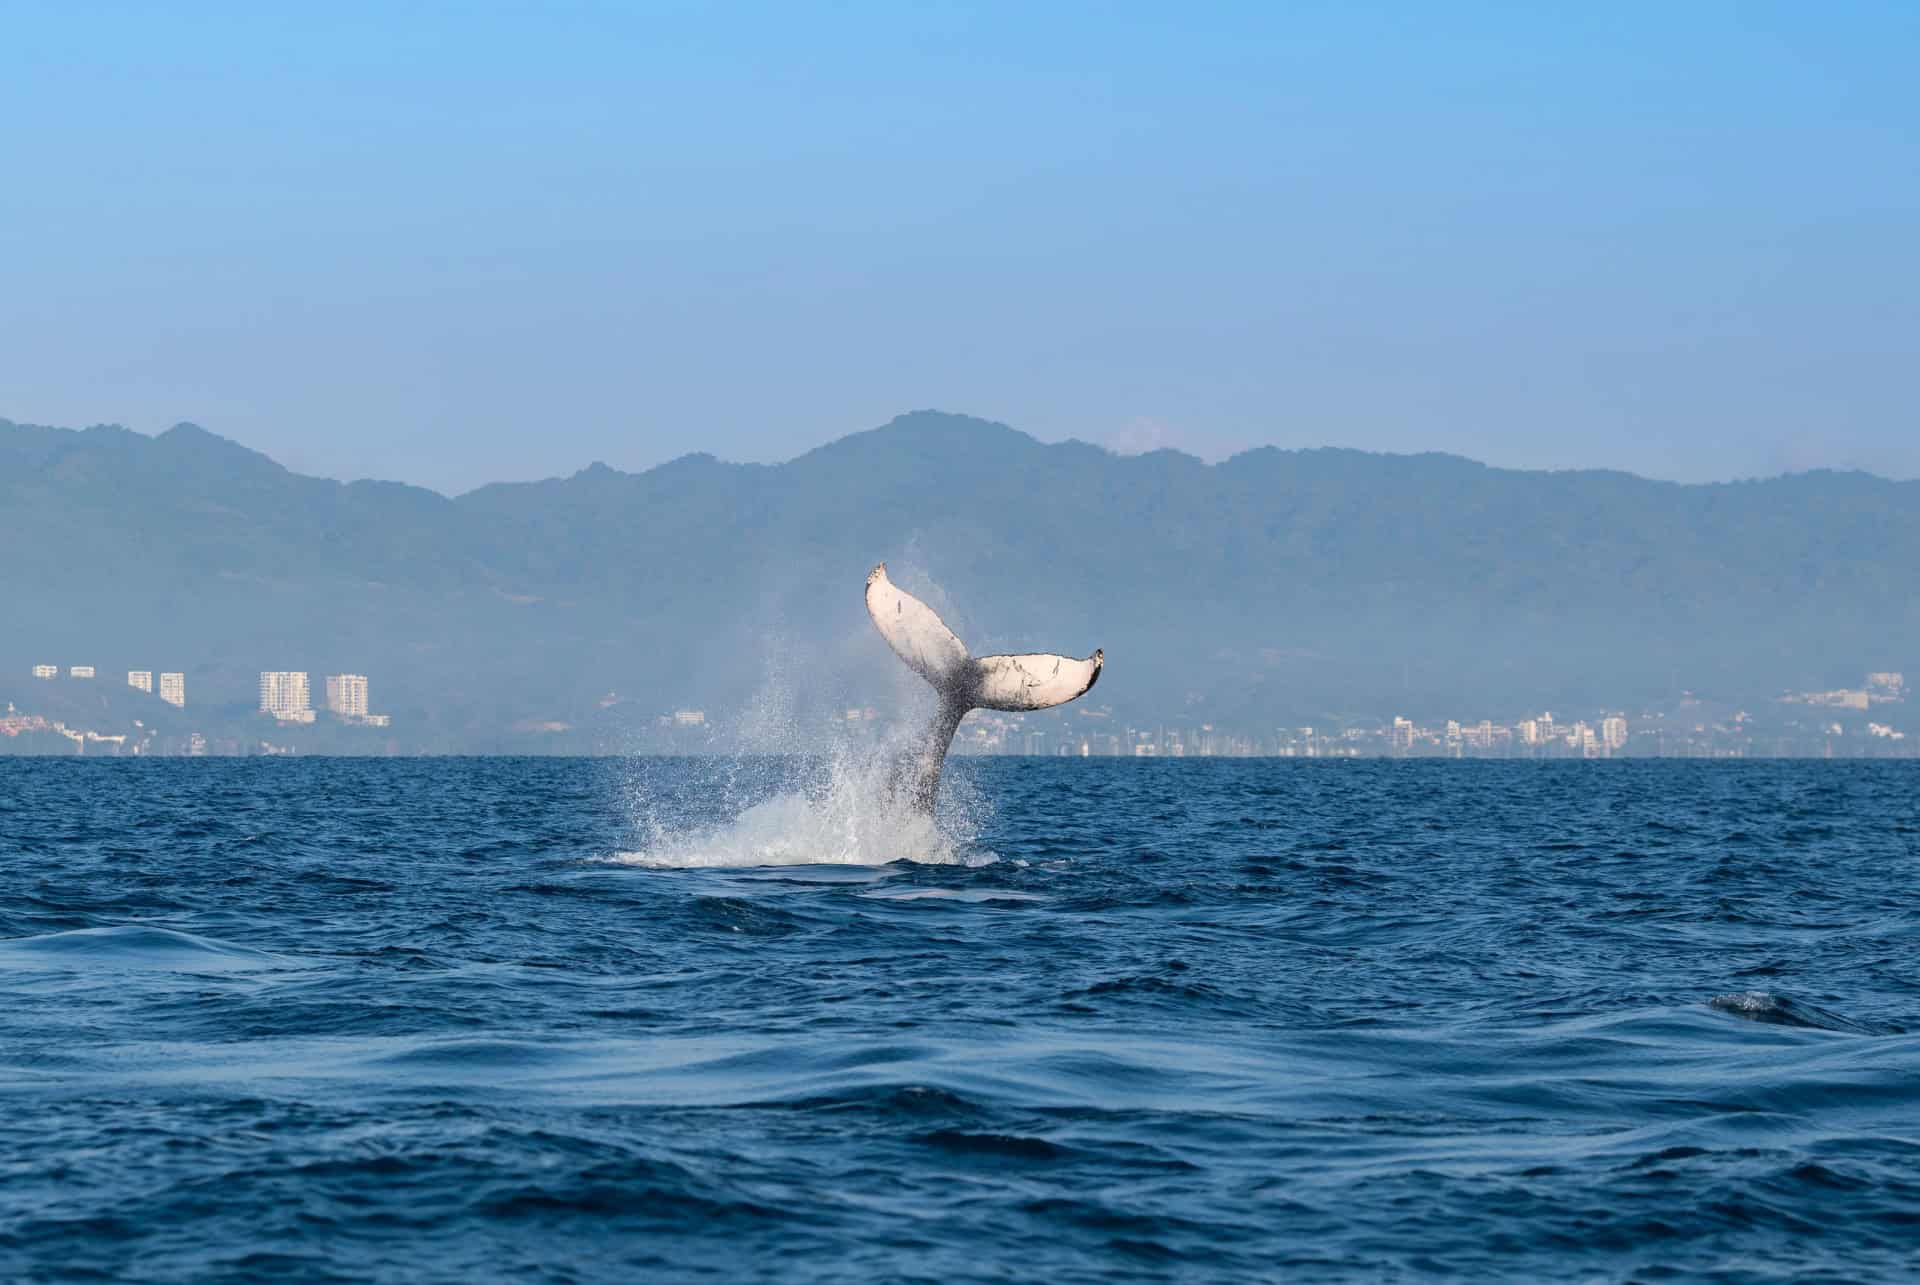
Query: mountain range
{"points": [[1273, 587]]}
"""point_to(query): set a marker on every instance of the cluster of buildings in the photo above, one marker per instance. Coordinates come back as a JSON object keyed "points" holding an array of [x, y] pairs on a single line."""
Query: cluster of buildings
{"points": [[1863, 721], [1402, 738], [1532, 737], [1092, 735], [13, 724], [284, 694], [1884, 688], [1838, 726], [173, 687]]}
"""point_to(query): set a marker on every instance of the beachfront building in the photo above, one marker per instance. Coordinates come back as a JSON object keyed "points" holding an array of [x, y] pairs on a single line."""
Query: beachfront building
{"points": [[347, 695], [1401, 738], [46, 671], [284, 694], [1613, 732], [140, 680], [173, 690], [80, 671]]}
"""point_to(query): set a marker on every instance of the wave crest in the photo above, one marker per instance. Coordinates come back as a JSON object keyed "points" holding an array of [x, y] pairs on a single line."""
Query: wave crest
{"points": [[1779, 1010]]}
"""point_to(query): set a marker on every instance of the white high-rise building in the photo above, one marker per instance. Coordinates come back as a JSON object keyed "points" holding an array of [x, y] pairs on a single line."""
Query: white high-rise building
{"points": [[1613, 732], [347, 695], [1401, 737], [46, 671], [80, 671], [173, 690], [283, 694], [140, 679]]}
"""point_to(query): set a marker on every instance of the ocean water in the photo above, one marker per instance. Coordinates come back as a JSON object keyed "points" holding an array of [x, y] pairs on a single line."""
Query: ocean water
{"points": [[559, 1020]]}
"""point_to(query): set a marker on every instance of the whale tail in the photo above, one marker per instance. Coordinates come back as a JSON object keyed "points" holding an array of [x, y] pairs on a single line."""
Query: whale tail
{"points": [[920, 638]]}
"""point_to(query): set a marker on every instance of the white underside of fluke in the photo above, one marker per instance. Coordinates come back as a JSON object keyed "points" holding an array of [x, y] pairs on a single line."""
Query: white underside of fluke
{"points": [[1034, 681], [920, 638]]}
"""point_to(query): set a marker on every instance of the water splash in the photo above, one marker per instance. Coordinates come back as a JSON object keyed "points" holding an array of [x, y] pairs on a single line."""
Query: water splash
{"points": [[805, 790], [846, 824], [134, 946]]}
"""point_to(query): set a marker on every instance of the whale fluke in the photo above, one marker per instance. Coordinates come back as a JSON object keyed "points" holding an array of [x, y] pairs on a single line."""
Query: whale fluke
{"points": [[1034, 681], [920, 638]]}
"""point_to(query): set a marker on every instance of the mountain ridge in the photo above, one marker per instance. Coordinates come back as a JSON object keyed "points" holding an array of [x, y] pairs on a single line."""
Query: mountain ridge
{"points": [[189, 429]]}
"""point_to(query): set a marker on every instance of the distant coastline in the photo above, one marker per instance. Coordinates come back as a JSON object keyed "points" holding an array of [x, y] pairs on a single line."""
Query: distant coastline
{"points": [[688, 608]]}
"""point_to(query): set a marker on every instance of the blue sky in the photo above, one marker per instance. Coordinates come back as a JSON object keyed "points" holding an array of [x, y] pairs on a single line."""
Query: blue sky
{"points": [[454, 244]]}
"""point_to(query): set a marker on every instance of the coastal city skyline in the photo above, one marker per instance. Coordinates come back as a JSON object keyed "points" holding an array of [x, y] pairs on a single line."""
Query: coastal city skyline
{"points": [[284, 696], [1866, 720], [1693, 729]]}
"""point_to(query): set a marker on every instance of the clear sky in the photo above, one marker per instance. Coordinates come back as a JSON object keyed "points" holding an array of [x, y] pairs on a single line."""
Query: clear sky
{"points": [[457, 243]]}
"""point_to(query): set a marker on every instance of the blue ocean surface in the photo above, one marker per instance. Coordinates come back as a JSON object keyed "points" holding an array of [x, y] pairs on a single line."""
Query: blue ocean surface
{"points": [[558, 1020]]}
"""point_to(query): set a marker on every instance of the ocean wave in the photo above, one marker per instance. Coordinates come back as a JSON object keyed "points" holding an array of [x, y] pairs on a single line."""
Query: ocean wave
{"points": [[135, 946], [1780, 1010]]}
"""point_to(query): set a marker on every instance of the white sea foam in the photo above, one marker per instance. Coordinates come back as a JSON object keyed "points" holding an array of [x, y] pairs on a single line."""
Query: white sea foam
{"points": [[803, 794], [797, 828]]}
